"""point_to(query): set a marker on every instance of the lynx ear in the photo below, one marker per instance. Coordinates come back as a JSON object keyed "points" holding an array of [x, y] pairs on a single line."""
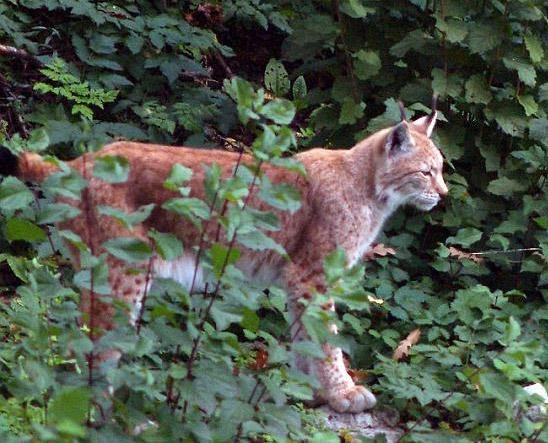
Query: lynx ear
{"points": [[426, 124], [399, 139]]}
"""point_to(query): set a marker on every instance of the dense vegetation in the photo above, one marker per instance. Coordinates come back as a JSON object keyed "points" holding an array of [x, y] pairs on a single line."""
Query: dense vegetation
{"points": [[471, 275]]}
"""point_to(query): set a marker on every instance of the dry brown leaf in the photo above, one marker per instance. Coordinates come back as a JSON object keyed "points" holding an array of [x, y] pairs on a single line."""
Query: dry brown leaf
{"points": [[381, 250], [405, 345], [454, 252]]}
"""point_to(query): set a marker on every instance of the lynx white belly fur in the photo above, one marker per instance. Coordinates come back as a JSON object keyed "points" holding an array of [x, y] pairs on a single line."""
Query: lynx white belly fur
{"points": [[346, 197]]}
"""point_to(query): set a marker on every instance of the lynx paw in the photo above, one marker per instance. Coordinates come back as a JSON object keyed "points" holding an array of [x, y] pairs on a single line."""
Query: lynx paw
{"points": [[354, 399]]}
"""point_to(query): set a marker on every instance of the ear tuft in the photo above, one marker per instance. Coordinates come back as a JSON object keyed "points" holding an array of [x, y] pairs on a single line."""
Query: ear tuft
{"points": [[426, 124], [399, 139]]}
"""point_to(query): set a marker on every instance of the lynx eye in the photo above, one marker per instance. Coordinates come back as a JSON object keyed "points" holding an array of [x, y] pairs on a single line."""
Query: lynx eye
{"points": [[426, 173]]}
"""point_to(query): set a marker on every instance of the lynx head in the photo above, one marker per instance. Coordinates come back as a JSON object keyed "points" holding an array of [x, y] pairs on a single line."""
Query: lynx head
{"points": [[411, 168]]}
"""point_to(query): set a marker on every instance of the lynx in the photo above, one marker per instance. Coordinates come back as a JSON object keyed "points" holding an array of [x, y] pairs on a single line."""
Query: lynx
{"points": [[346, 197]]}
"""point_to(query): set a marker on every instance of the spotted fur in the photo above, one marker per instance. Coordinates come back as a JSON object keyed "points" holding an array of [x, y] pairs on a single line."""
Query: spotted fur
{"points": [[346, 197]]}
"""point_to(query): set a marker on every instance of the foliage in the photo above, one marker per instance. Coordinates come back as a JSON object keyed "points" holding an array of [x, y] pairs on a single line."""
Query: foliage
{"points": [[471, 275]]}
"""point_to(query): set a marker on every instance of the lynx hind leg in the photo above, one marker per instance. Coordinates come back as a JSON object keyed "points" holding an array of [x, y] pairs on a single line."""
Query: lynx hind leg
{"points": [[128, 284]]}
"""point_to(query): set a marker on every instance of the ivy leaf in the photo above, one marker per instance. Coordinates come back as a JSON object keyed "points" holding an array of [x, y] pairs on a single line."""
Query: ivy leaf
{"points": [[276, 78], [465, 237], [355, 8], [477, 90], [21, 229], [129, 249], [167, 245], [111, 168]]}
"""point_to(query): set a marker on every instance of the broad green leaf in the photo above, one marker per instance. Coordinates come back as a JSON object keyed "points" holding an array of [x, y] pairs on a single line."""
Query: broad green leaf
{"points": [[367, 64], [21, 229], [497, 386], [280, 111], [56, 212], [355, 8], [111, 168], [534, 46], [178, 175], [477, 90], [335, 265], [221, 257], [259, 241], [526, 72], [38, 140], [128, 220], [528, 103], [299, 88], [505, 186], [14, 194], [455, 30], [484, 36], [70, 404], [188, 207], [465, 237], [167, 245], [351, 112], [129, 249], [276, 78]]}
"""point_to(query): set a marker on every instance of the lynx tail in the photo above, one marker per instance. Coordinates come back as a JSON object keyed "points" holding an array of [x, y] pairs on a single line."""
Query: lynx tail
{"points": [[33, 168]]}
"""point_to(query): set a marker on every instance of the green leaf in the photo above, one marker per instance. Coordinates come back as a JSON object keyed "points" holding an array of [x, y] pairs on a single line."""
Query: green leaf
{"points": [[38, 140], [477, 90], [505, 186], [70, 404], [512, 331], [128, 220], [455, 30], [14, 194], [355, 8], [534, 46], [497, 386], [188, 207], [129, 249], [221, 257], [21, 229], [111, 168], [367, 64], [178, 175], [529, 104], [526, 71], [351, 112], [484, 36], [259, 241], [280, 111], [465, 237], [56, 212], [276, 78], [299, 88], [334, 265], [167, 245]]}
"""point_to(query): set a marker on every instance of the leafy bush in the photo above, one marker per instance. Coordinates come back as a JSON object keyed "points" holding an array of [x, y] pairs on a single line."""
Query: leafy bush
{"points": [[470, 275]]}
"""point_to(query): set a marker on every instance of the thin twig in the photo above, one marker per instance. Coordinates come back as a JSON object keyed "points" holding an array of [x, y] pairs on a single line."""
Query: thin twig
{"points": [[508, 251], [139, 321]]}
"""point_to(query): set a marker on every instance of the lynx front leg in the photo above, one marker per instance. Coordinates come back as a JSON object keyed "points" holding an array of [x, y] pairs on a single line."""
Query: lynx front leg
{"points": [[340, 391], [338, 388]]}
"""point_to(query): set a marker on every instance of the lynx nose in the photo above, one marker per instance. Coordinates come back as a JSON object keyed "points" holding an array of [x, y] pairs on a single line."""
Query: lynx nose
{"points": [[441, 188]]}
